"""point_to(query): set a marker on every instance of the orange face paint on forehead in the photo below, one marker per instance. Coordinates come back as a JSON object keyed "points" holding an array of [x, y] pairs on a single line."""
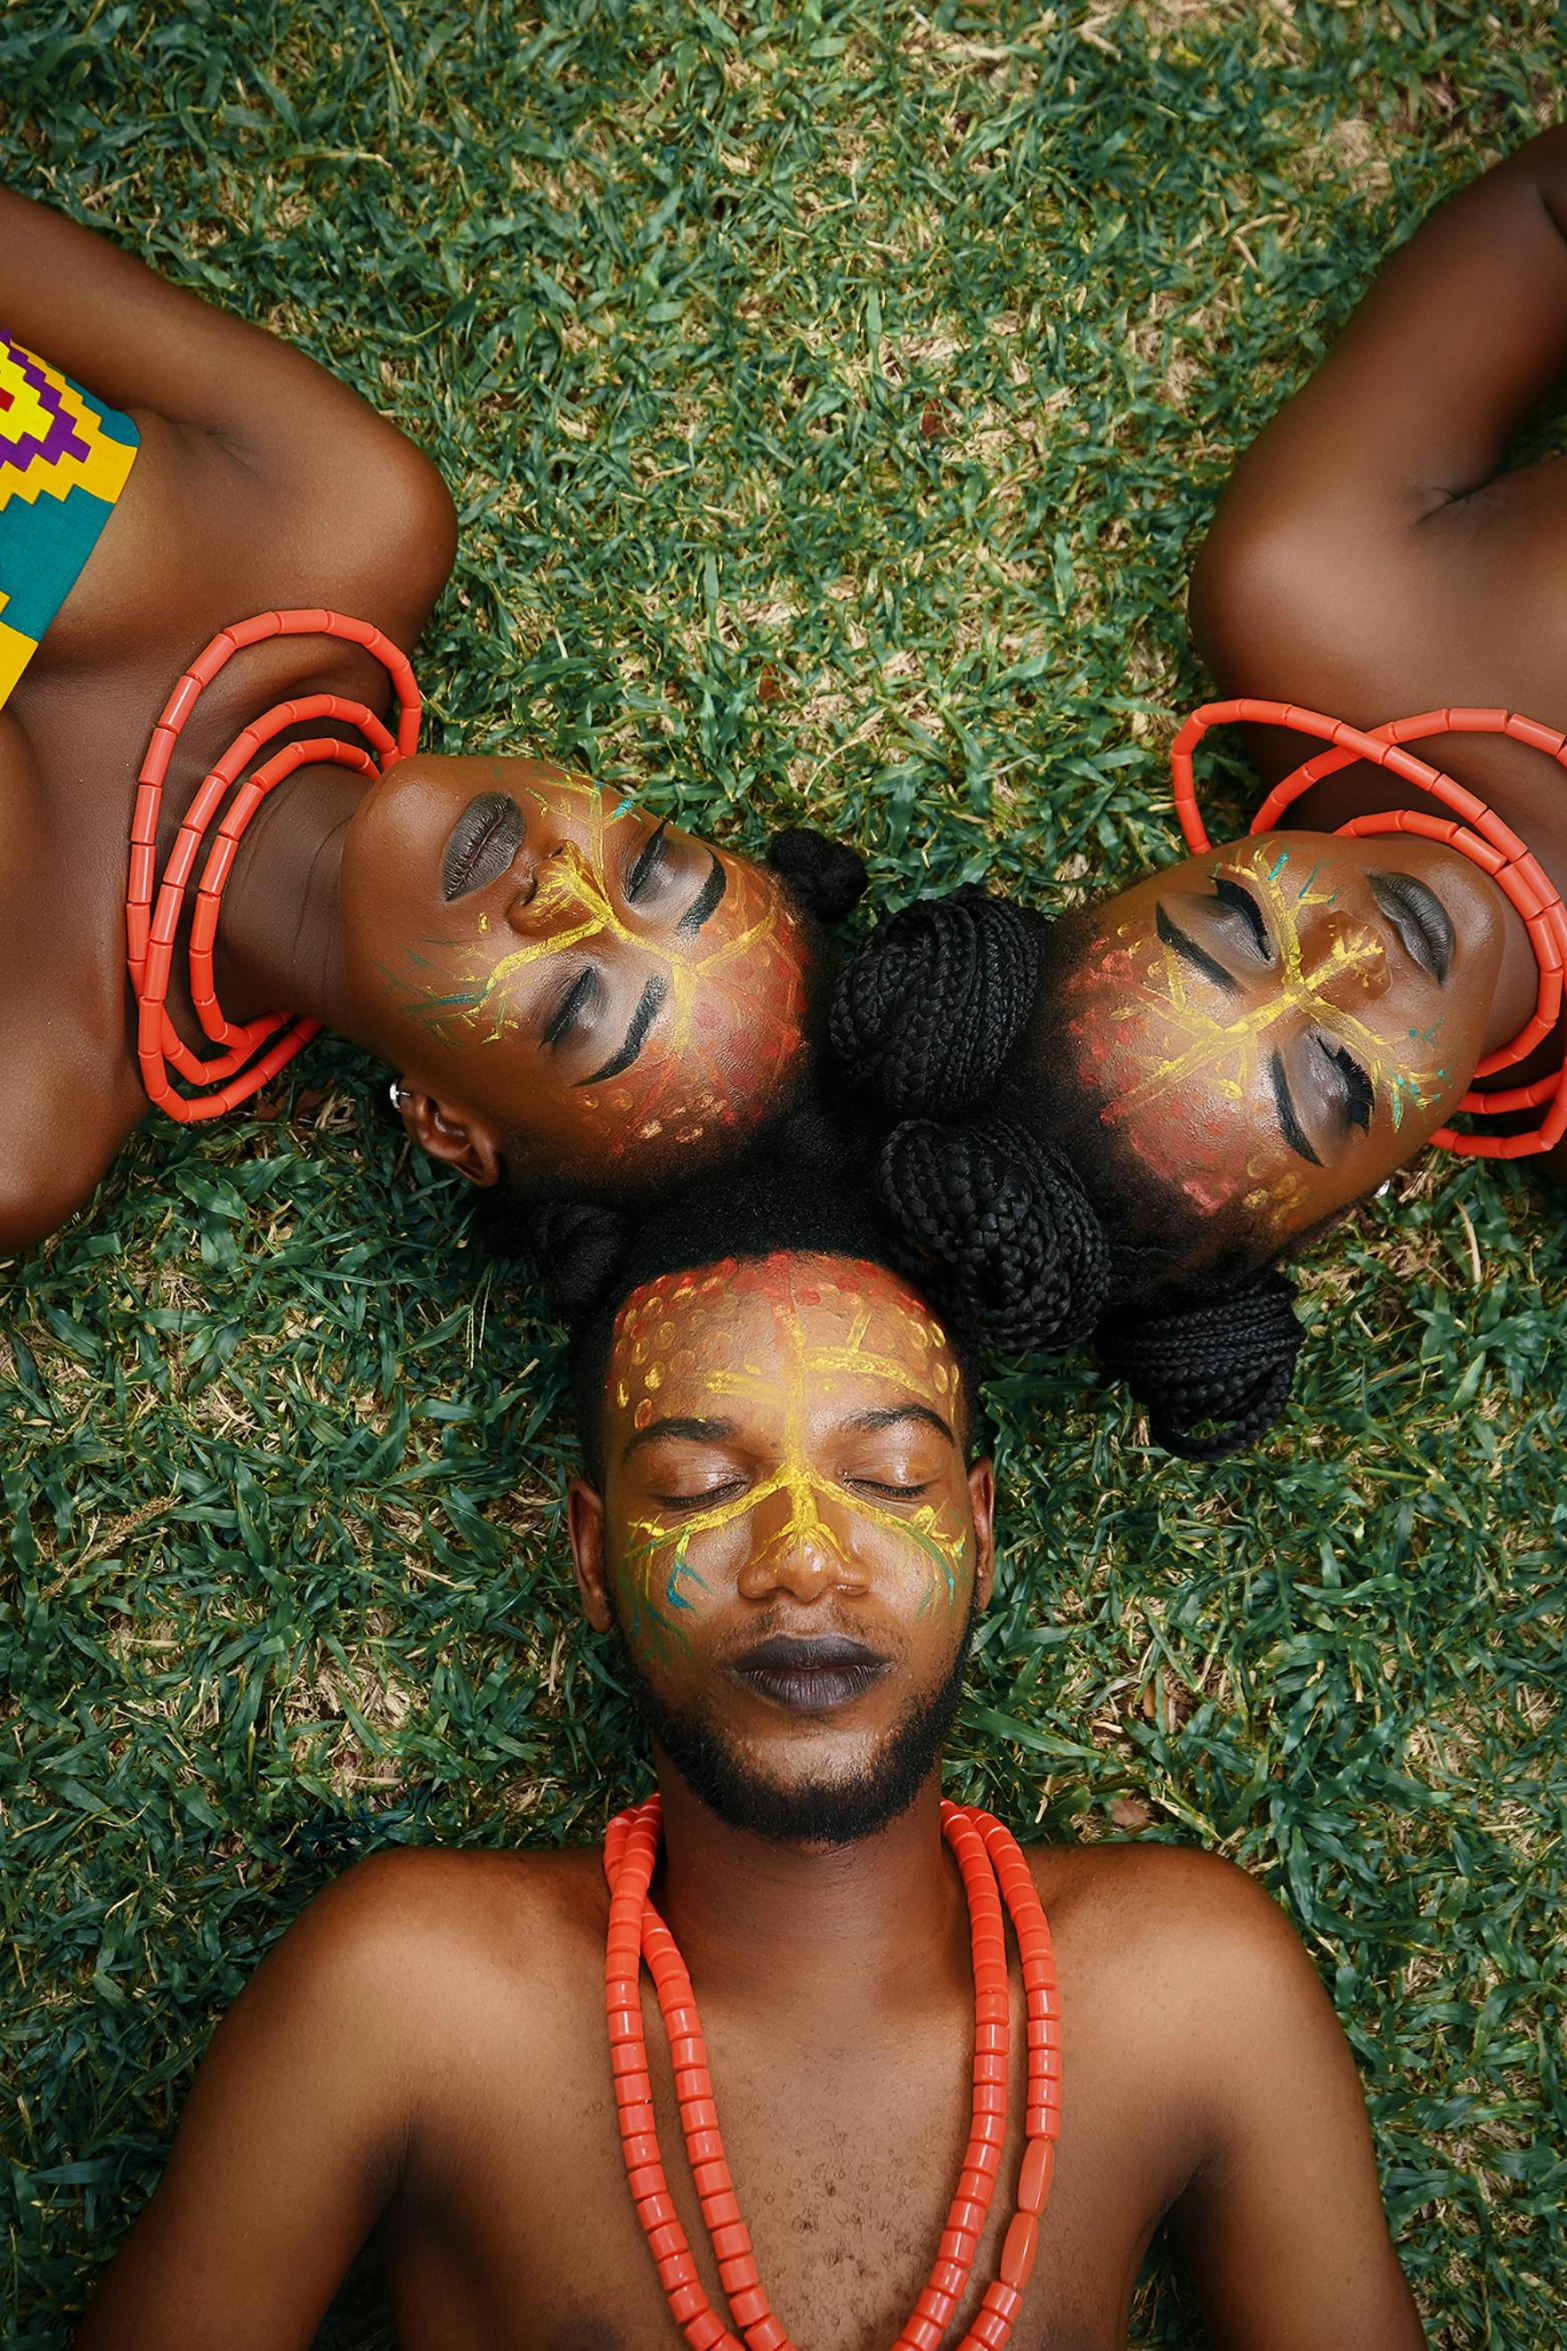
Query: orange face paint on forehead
{"points": [[722, 1012], [1172, 1059], [681, 1352]]}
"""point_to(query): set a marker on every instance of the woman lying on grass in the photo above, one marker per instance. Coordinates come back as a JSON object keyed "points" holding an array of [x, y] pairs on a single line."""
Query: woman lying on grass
{"points": [[1116, 1122], [574, 995]]}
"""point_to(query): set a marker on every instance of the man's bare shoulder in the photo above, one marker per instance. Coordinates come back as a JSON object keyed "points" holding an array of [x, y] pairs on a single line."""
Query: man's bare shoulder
{"points": [[431, 1933], [1196, 1924]]}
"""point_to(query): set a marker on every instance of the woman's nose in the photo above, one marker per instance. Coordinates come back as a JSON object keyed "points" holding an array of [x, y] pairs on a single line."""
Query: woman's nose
{"points": [[555, 889], [1345, 961]]}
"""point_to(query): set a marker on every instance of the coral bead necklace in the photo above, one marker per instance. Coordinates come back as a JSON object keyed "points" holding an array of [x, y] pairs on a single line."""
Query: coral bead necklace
{"points": [[1478, 834], [236, 1072], [993, 1869]]}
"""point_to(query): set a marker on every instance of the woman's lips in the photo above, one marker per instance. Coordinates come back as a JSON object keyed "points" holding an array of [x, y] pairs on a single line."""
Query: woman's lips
{"points": [[481, 844], [809, 1674], [1420, 919]]}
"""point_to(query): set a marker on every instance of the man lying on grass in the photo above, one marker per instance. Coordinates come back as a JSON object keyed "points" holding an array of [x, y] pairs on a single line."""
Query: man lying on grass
{"points": [[573, 994], [784, 1532]]}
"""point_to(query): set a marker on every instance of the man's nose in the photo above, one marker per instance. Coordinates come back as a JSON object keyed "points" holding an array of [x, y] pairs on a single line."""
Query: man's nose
{"points": [[796, 1548], [1345, 961]]}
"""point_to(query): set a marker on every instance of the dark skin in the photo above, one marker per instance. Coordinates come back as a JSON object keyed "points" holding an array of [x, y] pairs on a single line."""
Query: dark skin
{"points": [[1372, 558], [263, 483], [423, 2054]]}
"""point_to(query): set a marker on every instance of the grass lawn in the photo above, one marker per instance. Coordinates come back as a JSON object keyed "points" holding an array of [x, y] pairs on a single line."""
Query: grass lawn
{"points": [[833, 394]]}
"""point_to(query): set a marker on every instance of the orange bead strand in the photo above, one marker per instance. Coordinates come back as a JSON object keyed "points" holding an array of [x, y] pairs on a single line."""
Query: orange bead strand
{"points": [[993, 1870], [235, 1074], [1474, 830]]}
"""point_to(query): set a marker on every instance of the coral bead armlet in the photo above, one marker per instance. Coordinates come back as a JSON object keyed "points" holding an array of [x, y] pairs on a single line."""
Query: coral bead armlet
{"points": [[1473, 829], [256, 1050], [993, 1869]]}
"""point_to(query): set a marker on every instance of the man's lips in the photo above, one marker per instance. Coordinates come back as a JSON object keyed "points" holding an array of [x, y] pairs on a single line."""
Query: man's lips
{"points": [[481, 844], [809, 1673]]}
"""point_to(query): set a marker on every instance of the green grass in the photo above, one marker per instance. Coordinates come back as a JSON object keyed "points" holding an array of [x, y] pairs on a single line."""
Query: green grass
{"points": [[833, 396]]}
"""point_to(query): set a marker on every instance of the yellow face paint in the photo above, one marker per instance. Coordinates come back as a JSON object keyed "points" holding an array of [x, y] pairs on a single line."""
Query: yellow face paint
{"points": [[678, 1354], [1164, 1039], [728, 1028]]}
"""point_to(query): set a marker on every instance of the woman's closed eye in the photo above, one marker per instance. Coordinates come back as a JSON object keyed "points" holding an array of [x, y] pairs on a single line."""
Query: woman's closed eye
{"points": [[569, 1019], [1237, 900], [650, 864], [1357, 1096]]}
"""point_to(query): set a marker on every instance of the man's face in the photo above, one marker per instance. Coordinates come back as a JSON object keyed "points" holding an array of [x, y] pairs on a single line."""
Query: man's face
{"points": [[554, 967], [788, 1538], [1275, 1025]]}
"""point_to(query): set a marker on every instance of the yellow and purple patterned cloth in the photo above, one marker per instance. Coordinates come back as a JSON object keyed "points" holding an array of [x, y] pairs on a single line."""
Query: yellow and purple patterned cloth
{"points": [[63, 462]]}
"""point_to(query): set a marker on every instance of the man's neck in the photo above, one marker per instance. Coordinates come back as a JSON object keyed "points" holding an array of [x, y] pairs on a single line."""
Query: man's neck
{"points": [[809, 1926], [279, 945]]}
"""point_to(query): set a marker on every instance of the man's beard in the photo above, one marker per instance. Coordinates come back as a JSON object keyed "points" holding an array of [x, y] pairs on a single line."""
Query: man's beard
{"points": [[828, 1812]]}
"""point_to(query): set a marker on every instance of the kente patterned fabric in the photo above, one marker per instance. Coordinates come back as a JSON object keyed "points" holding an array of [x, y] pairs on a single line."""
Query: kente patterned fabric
{"points": [[63, 463]]}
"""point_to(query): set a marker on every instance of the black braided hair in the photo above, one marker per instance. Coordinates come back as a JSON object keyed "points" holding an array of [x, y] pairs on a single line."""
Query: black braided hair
{"points": [[1032, 1226], [1226, 1360], [827, 878], [927, 1012]]}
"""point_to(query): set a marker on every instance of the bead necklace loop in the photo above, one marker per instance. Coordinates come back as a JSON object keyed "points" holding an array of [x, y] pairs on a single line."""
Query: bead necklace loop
{"points": [[234, 1074], [993, 1869], [1481, 836]]}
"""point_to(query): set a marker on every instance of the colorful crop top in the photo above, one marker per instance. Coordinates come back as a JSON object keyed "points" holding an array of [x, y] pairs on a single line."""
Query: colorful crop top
{"points": [[63, 462]]}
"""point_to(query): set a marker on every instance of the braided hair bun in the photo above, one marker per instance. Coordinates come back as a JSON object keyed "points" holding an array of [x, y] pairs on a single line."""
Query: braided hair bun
{"points": [[927, 1012], [826, 877], [1226, 1359], [1001, 1229]]}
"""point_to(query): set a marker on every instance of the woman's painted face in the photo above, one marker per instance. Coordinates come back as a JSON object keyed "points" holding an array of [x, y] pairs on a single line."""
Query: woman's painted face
{"points": [[784, 1466], [531, 949], [1277, 1024]]}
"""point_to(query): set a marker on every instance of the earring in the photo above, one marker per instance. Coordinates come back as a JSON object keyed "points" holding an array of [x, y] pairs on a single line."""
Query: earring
{"points": [[398, 1092]]}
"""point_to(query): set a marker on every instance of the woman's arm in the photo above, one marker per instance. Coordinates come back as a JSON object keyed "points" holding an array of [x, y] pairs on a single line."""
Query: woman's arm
{"points": [[139, 343], [1341, 542]]}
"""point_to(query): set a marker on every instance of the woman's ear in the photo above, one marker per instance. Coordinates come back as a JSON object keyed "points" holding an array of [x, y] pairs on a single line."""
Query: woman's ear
{"points": [[463, 1139], [585, 1526]]}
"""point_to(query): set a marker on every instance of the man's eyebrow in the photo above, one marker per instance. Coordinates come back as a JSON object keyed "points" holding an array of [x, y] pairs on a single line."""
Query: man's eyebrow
{"points": [[887, 1416], [698, 1432], [1283, 1102], [706, 900], [641, 1021], [1173, 936]]}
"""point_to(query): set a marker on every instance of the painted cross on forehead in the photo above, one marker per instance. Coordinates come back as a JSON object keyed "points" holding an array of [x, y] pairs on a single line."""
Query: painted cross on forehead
{"points": [[1197, 1038], [738, 983], [678, 1352]]}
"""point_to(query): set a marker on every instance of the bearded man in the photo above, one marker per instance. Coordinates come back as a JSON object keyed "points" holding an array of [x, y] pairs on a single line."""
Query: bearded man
{"points": [[785, 1530]]}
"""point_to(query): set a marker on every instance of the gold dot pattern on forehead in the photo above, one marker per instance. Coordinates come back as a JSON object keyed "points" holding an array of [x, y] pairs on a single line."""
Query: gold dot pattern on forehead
{"points": [[690, 1309]]}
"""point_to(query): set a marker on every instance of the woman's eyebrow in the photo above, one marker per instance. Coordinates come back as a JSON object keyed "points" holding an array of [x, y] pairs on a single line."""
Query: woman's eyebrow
{"points": [[636, 1036], [706, 900], [1284, 1104], [1172, 934]]}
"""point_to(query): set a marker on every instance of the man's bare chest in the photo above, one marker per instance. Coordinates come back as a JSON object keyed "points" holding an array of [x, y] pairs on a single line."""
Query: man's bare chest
{"points": [[519, 2230]]}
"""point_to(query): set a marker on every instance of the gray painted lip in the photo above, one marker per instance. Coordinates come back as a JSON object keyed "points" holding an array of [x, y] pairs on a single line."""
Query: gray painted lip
{"points": [[1420, 919], [481, 844]]}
